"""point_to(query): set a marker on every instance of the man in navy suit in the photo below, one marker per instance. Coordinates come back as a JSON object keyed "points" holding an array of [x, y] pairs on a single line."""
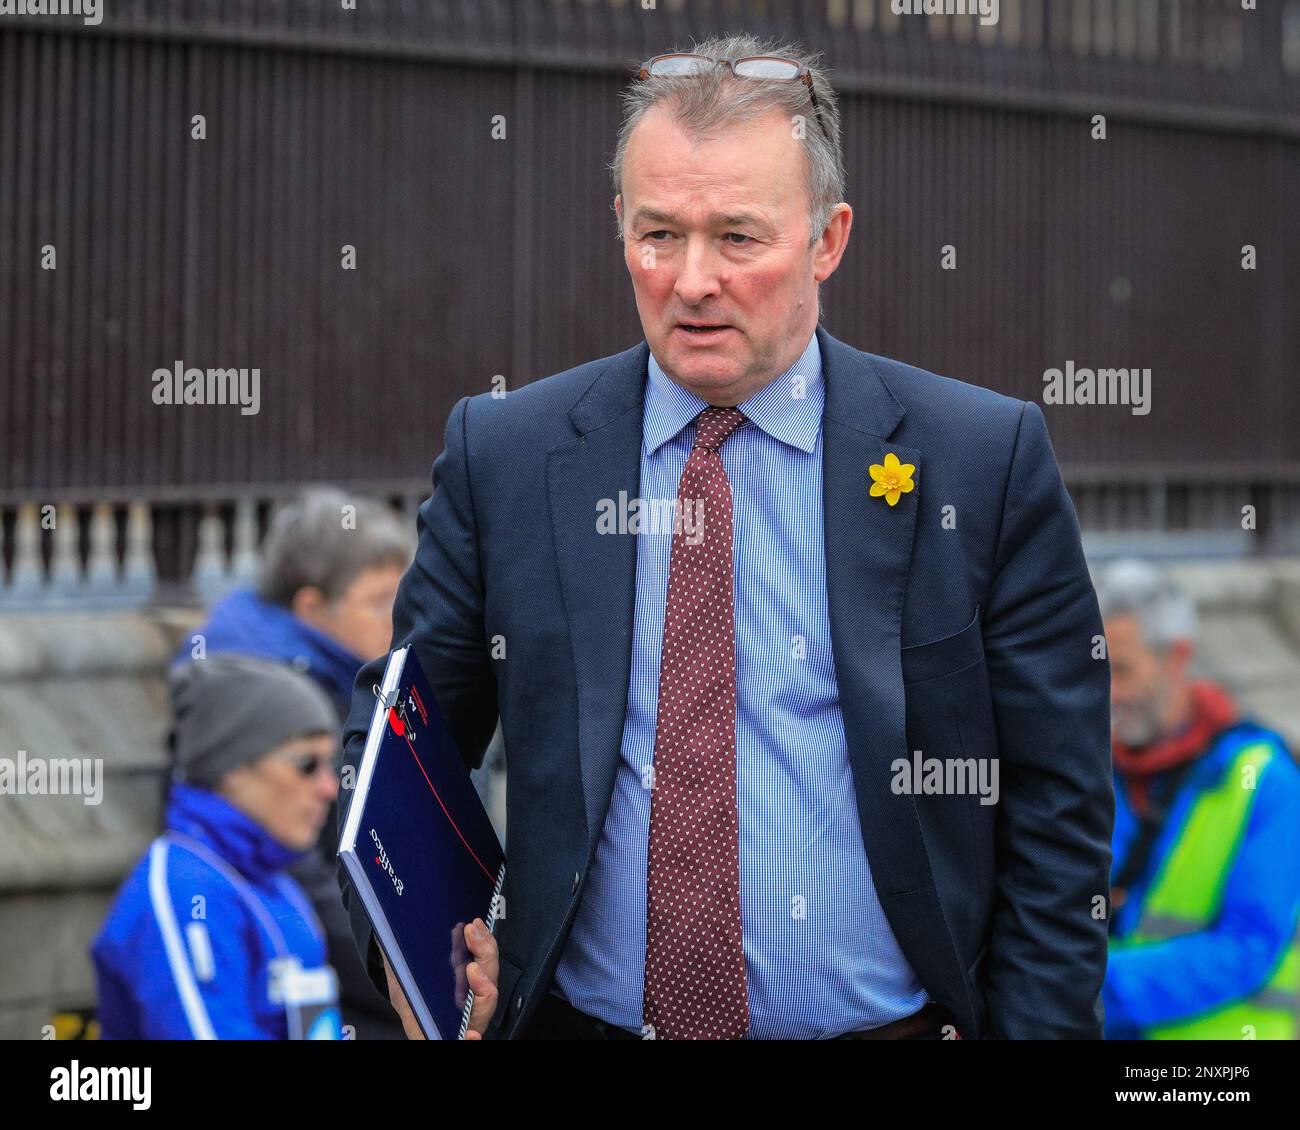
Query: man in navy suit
{"points": [[796, 656]]}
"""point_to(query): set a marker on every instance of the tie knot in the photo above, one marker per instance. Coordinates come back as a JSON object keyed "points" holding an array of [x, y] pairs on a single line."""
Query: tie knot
{"points": [[714, 425]]}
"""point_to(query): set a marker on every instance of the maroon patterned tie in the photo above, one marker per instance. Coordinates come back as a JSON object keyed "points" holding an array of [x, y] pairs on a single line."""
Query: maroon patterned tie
{"points": [[695, 983]]}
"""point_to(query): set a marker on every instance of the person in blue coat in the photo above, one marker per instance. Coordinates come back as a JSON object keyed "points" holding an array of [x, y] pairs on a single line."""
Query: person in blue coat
{"points": [[1178, 742], [209, 937], [329, 568]]}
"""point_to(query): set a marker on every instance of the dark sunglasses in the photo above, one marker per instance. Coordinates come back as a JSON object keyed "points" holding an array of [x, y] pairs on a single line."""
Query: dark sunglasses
{"points": [[308, 764]]}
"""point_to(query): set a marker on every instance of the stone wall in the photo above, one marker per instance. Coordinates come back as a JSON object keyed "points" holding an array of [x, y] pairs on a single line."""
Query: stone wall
{"points": [[75, 685]]}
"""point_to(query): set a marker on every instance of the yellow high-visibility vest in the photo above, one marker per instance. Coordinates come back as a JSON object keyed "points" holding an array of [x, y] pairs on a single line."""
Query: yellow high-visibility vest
{"points": [[1187, 892]]}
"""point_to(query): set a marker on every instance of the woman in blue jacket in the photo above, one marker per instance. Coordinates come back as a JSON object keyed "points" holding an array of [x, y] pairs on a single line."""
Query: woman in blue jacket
{"points": [[208, 937]]}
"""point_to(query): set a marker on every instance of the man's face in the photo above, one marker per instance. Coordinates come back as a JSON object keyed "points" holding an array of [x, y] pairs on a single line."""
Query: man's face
{"points": [[715, 234], [361, 619], [1142, 682], [276, 791]]}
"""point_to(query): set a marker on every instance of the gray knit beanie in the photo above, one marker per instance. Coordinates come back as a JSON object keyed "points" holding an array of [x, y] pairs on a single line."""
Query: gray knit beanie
{"points": [[229, 710]]}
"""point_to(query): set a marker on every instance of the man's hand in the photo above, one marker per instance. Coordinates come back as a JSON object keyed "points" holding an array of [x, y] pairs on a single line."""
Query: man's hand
{"points": [[398, 1000], [482, 975]]}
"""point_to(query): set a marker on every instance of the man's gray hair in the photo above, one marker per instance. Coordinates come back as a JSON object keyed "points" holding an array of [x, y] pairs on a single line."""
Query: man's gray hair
{"points": [[326, 538], [1163, 609], [708, 103]]}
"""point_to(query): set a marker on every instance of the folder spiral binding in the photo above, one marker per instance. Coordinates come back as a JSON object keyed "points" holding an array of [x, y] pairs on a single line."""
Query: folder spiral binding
{"points": [[490, 920], [420, 850]]}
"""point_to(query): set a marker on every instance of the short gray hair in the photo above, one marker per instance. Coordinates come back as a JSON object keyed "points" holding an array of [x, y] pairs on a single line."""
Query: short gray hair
{"points": [[1163, 609], [703, 103], [308, 543]]}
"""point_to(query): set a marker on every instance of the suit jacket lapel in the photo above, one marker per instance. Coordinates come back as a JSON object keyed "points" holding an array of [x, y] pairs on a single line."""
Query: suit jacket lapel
{"points": [[868, 555], [868, 550], [598, 571]]}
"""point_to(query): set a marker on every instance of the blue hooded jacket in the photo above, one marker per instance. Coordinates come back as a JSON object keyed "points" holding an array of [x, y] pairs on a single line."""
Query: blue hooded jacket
{"points": [[245, 623], [209, 939]]}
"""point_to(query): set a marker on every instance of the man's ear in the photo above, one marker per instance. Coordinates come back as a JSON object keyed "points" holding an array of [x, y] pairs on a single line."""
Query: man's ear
{"points": [[307, 603], [228, 784], [830, 245], [1180, 656]]}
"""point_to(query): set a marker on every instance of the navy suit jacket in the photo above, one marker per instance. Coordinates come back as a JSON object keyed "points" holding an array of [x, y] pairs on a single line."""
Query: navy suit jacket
{"points": [[964, 624]]}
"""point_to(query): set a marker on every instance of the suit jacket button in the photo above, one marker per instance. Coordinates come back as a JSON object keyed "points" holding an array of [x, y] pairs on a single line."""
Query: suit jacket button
{"points": [[577, 881]]}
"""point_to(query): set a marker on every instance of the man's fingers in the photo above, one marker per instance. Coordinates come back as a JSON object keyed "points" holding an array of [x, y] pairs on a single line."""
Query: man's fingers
{"points": [[392, 981], [485, 998], [484, 948], [396, 997], [481, 974], [401, 1005]]}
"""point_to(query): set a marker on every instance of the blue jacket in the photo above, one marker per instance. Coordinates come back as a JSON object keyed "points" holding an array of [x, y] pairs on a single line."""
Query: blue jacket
{"points": [[968, 641], [1178, 978], [209, 939], [245, 623]]}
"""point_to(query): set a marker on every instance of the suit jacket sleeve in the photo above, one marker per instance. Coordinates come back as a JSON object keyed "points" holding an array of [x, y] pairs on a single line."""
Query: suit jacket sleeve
{"points": [[439, 611], [1050, 683]]}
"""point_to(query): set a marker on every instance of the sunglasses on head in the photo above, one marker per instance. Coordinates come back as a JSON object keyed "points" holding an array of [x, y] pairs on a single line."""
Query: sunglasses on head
{"points": [[771, 67]]}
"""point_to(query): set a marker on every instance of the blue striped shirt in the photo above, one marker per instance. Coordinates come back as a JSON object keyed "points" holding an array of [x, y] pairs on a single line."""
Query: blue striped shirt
{"points": [[820, 956]]}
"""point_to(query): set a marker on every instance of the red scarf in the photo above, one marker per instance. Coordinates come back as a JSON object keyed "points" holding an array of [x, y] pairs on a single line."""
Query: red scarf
{"points": [[1213, 711]]}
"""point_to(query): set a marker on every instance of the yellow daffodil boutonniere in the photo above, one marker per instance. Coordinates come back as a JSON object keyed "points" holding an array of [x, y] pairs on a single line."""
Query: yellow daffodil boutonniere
{"points": [[891, 480]]}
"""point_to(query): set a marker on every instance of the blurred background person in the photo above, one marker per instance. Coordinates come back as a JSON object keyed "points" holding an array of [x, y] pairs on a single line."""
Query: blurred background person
{"points": [[1205, 882], [330, 566], [209, 937]]}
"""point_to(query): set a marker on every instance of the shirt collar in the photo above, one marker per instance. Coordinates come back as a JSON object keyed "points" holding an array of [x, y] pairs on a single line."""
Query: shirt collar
{"points": [[794, 420]]}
